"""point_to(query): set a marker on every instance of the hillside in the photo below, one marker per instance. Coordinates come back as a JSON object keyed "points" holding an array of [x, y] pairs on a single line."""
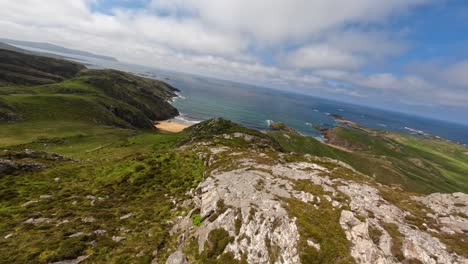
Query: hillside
{"points": [[25, 69], [4, 46], [55, 48], [46, 92], [84, 178], [416, 164]]}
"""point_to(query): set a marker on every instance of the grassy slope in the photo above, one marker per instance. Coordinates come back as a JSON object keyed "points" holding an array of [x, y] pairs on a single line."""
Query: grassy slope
{"points": [[66, 90], [102, 119], [418, 165], [136, 172], [28, 69], [82, 102]]}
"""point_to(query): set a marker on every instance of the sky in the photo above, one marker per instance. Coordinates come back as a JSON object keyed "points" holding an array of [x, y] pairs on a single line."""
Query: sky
{"points": [[403, 55]]}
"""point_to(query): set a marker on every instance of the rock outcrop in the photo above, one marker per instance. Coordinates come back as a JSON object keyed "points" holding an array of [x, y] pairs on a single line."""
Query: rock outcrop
{"points": [[279, 126], [248, 194]]}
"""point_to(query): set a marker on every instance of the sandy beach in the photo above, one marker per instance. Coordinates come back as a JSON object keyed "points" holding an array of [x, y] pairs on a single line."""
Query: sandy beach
{"points": [[171, 126]]}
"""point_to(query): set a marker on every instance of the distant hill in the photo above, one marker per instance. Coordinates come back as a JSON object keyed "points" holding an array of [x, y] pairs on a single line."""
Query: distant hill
{"points": [[17, 67], [42, 89], [55, 48], [5, 46]]}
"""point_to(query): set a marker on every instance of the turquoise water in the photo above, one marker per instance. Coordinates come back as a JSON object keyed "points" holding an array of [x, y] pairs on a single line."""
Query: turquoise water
{"points": [[251, 106], [203, 98]]}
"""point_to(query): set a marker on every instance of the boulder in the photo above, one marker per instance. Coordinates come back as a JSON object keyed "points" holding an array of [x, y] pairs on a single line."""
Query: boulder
{"points": [[177, 258]]}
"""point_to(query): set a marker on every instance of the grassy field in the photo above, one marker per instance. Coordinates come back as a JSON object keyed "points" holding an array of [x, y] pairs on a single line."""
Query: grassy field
{"points": [[117, 190], [117, 172], [130, 183], [418, 165]]}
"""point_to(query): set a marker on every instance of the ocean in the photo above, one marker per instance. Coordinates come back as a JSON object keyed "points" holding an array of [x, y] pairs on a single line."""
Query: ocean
{"points": [[202, 98]]}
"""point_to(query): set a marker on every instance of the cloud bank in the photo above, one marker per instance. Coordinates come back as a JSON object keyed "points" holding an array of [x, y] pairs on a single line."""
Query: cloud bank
{"points": [[330, 48]]}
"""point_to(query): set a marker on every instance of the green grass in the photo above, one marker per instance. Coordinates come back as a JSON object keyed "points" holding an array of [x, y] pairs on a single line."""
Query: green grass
{"points": [[322, 225], [196, 220], [96, 97], [134, 171], [417, 165], [397, 240]]}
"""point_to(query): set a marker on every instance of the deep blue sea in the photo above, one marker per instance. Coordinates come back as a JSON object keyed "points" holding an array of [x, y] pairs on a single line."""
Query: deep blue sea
{"points": [[202, 98]]}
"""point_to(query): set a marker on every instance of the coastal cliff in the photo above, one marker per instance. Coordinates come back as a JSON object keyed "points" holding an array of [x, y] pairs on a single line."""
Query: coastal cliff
{"points": [[67, 90]]}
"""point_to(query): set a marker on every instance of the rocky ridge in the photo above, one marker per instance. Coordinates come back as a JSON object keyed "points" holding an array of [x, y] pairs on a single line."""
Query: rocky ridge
{"points": [[252, 195]]}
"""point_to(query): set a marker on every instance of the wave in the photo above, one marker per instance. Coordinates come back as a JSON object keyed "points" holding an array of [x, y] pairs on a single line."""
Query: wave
{"points": [[269, 122], [178, 96], [183, 119], [322, 139]]}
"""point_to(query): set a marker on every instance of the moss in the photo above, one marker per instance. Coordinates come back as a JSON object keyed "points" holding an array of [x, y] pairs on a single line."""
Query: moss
{"points": [[457, 243], [252, 212], [274, 251], [215, 244], [361, 217], [220, 209], [375, 234], [238, 221], [191, 250], [397, 240], [322, 225], [228, 258], [260, 185], [196, 220]]}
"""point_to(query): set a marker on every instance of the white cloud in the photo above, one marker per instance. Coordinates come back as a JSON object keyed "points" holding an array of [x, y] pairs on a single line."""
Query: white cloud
{"points": [[228, 39], [323, 57], [280, 20], [457, 74]]}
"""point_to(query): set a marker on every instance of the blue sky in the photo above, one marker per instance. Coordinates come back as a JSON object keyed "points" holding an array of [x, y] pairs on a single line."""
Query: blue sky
{"points": [[405, 55]]}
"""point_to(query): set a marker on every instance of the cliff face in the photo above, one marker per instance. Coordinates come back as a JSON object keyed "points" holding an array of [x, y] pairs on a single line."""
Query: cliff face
{"points": [[149, 96]]}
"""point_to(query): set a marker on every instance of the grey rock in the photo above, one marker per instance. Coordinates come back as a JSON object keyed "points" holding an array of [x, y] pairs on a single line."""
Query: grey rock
{"points": [[255, 193], [73, 261], [9, 166], [177, 258], [29, 203], [78, 234], [100, 232], [37, 221], [118, 238], [88, 219], [126, 216]]}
